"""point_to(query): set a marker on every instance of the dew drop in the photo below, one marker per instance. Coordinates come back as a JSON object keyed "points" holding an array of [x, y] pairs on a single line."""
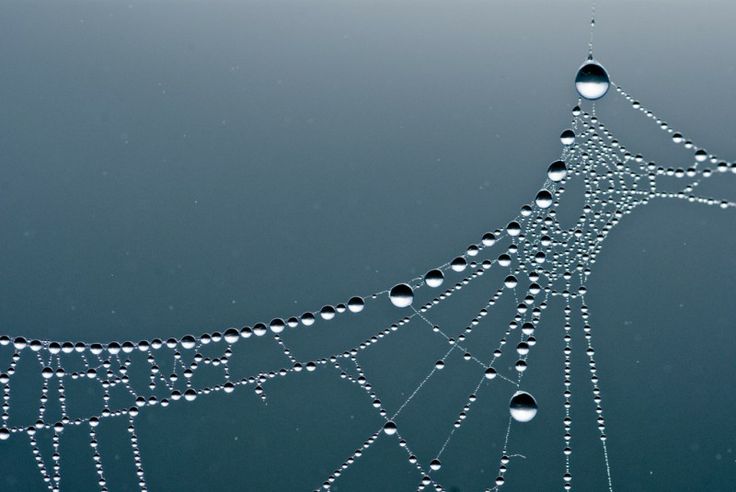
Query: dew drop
{"points": [[567, 137], [523, 406], [434, 278], [543, 199], [458, 264], [231, 335], [389, 428], [327, 313], [401, 295], [277, 325], [557, 171], [188, 342], [513, 229], [356, 304], [592, 81]]}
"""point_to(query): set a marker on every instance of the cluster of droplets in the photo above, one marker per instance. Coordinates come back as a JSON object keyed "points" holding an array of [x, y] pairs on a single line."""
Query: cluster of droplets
{"points": [[543, 260]]}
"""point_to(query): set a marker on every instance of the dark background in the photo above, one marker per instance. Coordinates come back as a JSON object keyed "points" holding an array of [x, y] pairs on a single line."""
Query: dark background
{"points": [[179, 167]]}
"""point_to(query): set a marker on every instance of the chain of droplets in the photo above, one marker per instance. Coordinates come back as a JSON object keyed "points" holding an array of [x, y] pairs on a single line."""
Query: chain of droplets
{"points": [[588, 245], [553, 252]]}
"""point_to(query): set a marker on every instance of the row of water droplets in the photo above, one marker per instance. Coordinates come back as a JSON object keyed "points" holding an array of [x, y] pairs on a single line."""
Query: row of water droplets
{"points": [[555, 260]]}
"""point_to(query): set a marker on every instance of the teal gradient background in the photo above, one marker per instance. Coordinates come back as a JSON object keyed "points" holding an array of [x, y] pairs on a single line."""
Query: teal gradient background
{"points": [[180, 167]]}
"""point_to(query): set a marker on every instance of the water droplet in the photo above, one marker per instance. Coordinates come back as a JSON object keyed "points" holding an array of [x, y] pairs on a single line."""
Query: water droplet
{"points": [[458, 264], [401, 295], [504, 260], [513, 229], [389, 428], [567, 137], [434, 278], [188, 342], [327, 313], [557, 171], [277, 325], [435, 465], [523, 406], [356, 304], [307, 319], [231, 335], [592, 81], [543, 199]]}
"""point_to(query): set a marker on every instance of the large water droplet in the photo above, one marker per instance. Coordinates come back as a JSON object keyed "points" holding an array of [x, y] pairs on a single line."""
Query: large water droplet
{"points": [[523, 406], [557, 171], [356, 304], [434, 278], [390, 428], [592, 81], [513, 229], [543, 199], [567, 137], [401, 295]]}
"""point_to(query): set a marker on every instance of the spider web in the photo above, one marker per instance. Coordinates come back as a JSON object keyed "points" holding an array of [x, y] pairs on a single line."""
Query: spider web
{"points": [[536, 257]]}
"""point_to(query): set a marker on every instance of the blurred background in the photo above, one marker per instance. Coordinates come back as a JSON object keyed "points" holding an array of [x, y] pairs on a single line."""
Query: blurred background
{"points": [[181, 167]]}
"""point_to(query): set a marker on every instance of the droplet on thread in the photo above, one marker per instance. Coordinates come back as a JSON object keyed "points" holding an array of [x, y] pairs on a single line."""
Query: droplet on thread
{"points": [[401, 295], [543, 199], [557, 171], [523, 406], [592, 80], [567, 137], [434, 278], [390, 428]]}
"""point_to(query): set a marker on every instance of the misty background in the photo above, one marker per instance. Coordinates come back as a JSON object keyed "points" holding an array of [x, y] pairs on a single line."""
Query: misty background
{"points": [[180, 167]]}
